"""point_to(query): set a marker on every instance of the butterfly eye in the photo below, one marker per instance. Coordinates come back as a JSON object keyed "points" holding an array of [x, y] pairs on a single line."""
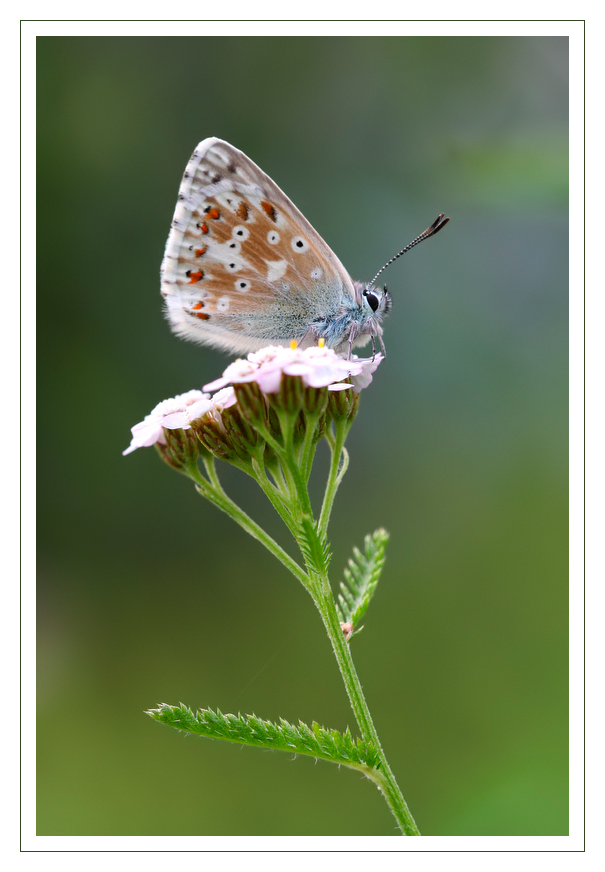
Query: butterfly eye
{"points": [[299, 244], [240, 232], [273, 237], [373, 299]]}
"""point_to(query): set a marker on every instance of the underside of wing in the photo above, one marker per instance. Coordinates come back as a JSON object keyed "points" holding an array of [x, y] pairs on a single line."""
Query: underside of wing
{"points": [[242, 267]]}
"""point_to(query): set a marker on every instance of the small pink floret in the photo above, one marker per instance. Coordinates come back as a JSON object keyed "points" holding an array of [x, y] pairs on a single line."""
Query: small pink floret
{"points": [[317, 366], [169, 413]]}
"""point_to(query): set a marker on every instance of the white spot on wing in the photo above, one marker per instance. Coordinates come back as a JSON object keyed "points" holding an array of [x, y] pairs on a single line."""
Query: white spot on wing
{"points": [[316, 273], [276, 269], [299, 244], [222, 304]]}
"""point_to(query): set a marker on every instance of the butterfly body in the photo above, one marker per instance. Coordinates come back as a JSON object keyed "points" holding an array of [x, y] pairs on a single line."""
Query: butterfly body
{"points": [[244, 269]]}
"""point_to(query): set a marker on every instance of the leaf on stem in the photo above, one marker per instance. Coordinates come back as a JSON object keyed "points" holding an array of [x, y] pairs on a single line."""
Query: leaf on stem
{"points": [[314, 741], [361, 578], [314, 547]]}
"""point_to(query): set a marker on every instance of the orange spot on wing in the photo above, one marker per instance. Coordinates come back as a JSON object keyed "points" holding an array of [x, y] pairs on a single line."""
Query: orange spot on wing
{"points": [[194, 276], [198, 305], [269, 209], [242, 211], [214, 213], [200, 251], [203, 227], [202, 316]]}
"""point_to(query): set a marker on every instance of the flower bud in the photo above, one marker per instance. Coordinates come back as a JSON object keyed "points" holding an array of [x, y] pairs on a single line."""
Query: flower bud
{"points": [[315, 400], [244, 438], [289, 395], [251, 402], [212, 436], [342, 405], [181, 449]]}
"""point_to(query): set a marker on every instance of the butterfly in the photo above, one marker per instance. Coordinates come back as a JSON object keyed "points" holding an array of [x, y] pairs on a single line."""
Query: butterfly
{"points": [[244, 269]]}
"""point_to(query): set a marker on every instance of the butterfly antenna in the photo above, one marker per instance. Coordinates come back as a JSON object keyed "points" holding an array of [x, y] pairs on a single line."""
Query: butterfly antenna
{"points": [[435, 227]]}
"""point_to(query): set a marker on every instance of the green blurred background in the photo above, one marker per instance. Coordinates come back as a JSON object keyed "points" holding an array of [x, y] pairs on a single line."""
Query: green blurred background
{"points": [[147, 595]]}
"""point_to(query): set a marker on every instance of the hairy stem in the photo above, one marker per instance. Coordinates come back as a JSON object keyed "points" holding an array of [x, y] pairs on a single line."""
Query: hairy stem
{"points": [[223, 502], [382, 775], [292, 503], [335, 476], [306, 454], [275, 496]]}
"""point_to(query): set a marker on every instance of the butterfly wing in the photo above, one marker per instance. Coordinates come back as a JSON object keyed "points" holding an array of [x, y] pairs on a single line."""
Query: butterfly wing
{"points": [[242, 267]]}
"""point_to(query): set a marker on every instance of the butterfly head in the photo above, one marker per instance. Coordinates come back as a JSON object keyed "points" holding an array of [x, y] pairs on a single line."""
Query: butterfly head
{"points": [[363, 322], [379, 301]]}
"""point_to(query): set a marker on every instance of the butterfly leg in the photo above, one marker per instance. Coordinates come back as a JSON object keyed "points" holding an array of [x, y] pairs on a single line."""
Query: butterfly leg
{"points": [[309, 333], [353, 334], [376, 330]]}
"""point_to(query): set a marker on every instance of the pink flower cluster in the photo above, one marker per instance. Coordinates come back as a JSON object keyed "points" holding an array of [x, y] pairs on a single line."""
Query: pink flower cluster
{"points": [[318, 367], [177, 413]]}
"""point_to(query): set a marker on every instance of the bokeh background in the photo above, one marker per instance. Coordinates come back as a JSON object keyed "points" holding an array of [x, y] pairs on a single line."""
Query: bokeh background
{"points": [[147, 595]]}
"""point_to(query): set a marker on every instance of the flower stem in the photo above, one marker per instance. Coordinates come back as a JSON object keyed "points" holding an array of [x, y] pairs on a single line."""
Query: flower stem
{"points": [[292, 503], [219, 498], [339, 453], [382, 775], [275, 495], [306, 454]]}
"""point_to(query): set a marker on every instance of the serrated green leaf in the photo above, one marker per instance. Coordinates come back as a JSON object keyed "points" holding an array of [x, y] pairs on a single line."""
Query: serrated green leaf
{"points": [[361, 578], [314, 548], [314, 741]]}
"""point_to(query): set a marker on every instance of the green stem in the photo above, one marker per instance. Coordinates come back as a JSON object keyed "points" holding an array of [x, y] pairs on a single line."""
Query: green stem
{"points": [[289, 463], [382, 775], [316, 580], [285, 454], [220, 499], [210, 468], [274, 495], [335, 475], [277, 474], [306, 454], [255, 470]]}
